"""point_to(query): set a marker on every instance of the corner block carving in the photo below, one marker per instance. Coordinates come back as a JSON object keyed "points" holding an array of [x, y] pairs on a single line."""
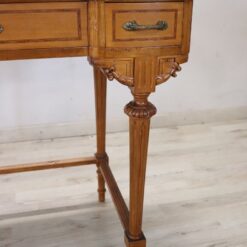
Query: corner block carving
{"points": [[125, 70]]}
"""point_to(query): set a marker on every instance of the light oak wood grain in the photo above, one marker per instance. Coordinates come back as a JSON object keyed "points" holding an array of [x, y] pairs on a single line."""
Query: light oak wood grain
{"points": [[144, 14], [49, 25]]}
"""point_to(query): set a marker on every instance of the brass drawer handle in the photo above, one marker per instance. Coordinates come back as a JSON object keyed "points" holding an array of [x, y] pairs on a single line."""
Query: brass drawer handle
{"points": [[1, 28], [134, 26]]}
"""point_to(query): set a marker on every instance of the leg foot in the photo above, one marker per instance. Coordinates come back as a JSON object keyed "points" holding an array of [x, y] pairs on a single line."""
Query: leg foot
{"points": [[135, 243]]}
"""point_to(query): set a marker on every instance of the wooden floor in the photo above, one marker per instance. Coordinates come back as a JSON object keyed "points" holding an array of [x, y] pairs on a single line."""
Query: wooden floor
{"points": [[196, 192]]}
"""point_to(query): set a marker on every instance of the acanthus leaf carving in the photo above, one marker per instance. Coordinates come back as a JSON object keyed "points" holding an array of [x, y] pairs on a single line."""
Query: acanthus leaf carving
{"points": [[111, 74], [168, 68], [120, 69]]}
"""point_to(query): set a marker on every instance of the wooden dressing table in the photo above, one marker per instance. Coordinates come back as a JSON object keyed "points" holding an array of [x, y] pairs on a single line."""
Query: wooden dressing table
{"points": [[139, 43]]}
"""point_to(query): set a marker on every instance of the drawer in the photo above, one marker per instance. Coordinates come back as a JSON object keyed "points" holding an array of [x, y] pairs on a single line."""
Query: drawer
{"points": [[144, 24], [45, 25]]}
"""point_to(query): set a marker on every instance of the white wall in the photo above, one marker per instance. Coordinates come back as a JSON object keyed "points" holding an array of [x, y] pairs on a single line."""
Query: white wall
{"points": [[54, 97]]}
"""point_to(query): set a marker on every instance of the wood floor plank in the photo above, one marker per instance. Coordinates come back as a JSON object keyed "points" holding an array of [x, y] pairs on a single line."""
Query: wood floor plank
{"points": [[196, 191]]}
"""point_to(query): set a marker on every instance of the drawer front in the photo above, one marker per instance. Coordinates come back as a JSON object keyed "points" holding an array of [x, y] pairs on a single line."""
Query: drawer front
{"points": [[144, 24], [48, 25]]}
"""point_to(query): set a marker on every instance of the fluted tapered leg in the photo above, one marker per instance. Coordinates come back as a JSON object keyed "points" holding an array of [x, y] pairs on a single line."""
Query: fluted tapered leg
{"points": [[139, 111], [100, 106]]}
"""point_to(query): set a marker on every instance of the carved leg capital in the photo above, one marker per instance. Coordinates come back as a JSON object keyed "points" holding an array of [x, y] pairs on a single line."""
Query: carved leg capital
{"points": [[140, 107]]}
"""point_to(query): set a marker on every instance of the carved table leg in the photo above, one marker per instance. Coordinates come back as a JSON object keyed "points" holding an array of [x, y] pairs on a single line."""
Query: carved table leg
{"points": [[100, 107], [139, 111]]}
